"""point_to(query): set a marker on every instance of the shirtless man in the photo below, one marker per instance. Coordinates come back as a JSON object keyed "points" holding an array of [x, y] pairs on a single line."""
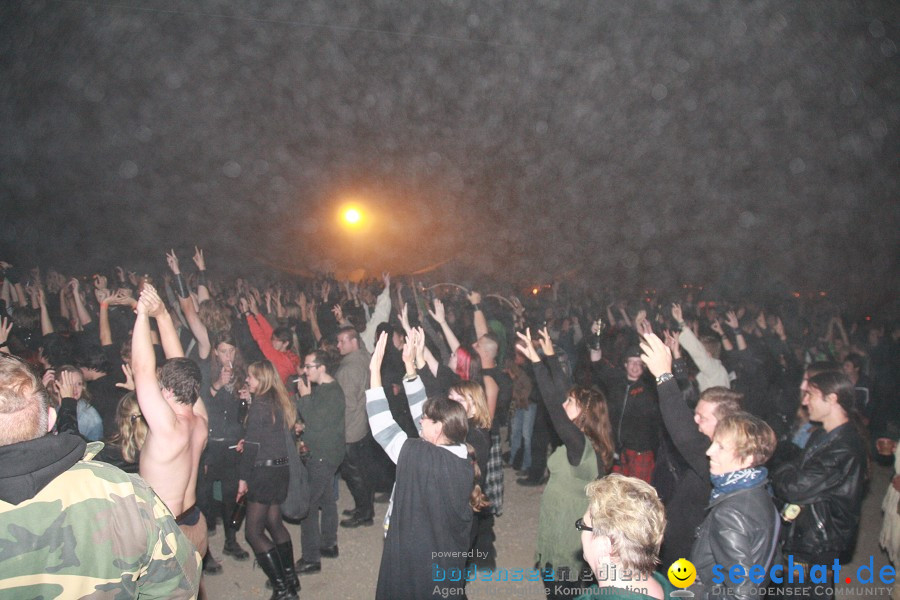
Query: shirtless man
{"points": [[177, 420]]}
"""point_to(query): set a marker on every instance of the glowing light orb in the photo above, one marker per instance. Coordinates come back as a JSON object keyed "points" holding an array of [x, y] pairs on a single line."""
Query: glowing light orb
{"points": [[352, 216]]}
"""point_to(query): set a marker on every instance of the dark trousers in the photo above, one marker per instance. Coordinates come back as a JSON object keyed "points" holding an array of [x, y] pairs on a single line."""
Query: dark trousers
{"points": [[218, 464], [316, 533], [541, 437], [355, 470]]}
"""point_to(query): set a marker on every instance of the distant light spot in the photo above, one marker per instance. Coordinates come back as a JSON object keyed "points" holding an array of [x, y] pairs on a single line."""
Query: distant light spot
{"points": [[173, 81], [738, 28], [231, 169], [659, 91], [260, 167], [878, 128], [876, 28], [797, 166], [848, 95], [128, 170], [747, 219], [630, 260]]}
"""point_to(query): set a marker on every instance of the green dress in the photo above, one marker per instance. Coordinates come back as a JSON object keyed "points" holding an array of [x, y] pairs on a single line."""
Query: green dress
{"points": [[612, 593], [564, 502]]}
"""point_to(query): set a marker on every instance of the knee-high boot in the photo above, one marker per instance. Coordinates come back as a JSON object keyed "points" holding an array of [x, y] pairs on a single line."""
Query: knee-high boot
{"points": [[286, 553], [271, 566]]}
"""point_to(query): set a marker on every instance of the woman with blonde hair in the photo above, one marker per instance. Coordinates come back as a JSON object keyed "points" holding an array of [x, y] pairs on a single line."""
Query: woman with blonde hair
{"points": [[123, 449], [264, 476], [471, 395], [581, 419], [621, 532]]}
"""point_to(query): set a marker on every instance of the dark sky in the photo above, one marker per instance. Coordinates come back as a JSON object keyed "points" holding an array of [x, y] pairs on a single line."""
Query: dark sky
{"points": [[647, 143]]}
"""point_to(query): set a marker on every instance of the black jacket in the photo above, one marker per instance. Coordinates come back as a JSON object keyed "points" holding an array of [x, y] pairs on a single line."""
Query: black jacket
{"points": [[827, 482], [739, 529]]}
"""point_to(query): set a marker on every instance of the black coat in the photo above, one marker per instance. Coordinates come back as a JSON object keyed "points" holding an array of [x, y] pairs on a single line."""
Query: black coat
{"points": [[739, 529], [827, 482]]}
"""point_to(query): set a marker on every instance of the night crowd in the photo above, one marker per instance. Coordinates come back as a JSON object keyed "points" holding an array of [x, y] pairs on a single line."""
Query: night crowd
{"points": [[684, 424]]}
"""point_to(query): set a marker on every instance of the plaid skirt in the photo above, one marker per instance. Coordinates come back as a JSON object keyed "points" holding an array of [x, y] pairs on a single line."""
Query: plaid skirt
{"points": [[636, 464], [493, 479]]}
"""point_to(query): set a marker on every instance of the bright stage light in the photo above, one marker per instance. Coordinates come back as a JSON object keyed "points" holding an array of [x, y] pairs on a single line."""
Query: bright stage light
{"points": [[352, 216]]}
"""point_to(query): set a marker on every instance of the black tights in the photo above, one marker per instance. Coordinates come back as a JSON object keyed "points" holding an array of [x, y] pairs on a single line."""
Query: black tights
{"points": [[262, 518]]}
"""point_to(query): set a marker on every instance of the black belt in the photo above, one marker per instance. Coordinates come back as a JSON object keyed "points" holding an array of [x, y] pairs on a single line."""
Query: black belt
{"points": [[272, 462]]}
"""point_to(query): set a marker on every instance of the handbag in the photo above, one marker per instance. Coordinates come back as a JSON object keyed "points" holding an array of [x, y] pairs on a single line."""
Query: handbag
{"points": [[296, 505]]}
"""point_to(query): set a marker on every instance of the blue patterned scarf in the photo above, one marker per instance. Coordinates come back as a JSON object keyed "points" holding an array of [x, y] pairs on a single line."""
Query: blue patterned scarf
{"points": [[737, 480]]}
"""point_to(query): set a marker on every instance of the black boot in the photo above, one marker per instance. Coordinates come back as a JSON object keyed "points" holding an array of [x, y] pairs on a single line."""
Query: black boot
{"points": [[271, 566], [286, 553]]}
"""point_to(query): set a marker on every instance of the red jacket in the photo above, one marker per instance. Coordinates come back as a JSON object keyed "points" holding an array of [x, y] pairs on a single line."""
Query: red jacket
{"points": [[285, 363]]}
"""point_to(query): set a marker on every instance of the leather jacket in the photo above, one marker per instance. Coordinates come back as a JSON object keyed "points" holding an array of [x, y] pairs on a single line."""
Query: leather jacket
{"points": [[827, 482], [740, 528]]}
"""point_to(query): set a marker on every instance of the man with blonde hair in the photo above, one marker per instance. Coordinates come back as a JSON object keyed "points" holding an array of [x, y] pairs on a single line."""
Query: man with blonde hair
{"points": [[66, 520], [621, 533]]}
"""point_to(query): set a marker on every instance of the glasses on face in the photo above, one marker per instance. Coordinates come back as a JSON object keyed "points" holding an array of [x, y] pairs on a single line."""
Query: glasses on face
{"points": [[580, 526], [311, 366]]}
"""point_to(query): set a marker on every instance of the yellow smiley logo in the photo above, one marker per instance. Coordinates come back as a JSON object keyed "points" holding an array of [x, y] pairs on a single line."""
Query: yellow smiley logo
{"points": [[682, 573]]}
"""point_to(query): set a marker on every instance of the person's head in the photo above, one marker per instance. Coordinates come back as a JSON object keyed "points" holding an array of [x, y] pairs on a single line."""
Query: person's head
{"points": [[281, 339], [852, 366], [320, 365], [94, 364], [225, 349], [634, 366], [626, 520], [181, 377], [264, 381], [712, 344], [78, 389], [587, 409], [715, 403], [739, 441], [444, 422], [831, 399], [131, 427], [821, 366], [347, 340], [465, 363], [471, 395], [216, 317], [487, 347], [26, 411]]}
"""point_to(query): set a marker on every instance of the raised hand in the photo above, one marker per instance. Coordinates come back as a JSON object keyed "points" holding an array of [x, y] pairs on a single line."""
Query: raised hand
{"points": [[526, 347], [717, 327], [386, 278], [100, 282], [545, 342], [338, 313], [377, 359], [420, 346], [438, 313], [676, 313], [474, 297], [409, 352], [656, 355], [66, 384], [129, 379], [102, 295], [172, 261], [198, 259], [404, 318], [150, 303], [672, 342], [731, 319]]}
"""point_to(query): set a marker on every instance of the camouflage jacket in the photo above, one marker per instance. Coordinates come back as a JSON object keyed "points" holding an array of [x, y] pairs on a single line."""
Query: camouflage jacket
{"points": [[71, 527]]}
